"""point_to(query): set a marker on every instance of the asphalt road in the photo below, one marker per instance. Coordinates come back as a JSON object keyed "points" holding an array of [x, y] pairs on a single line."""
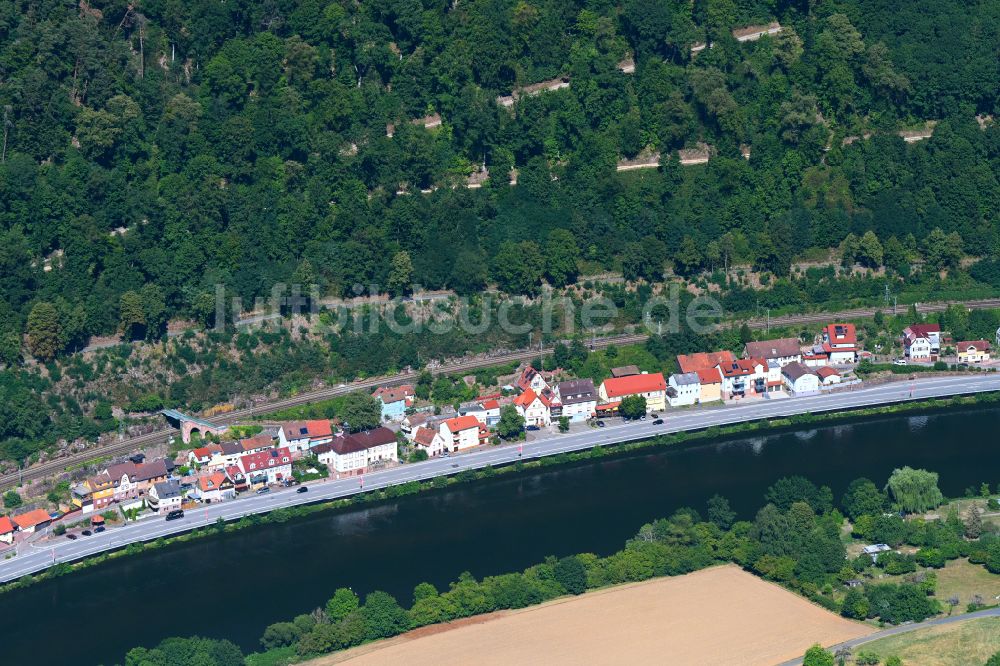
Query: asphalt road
{"points": [[35, 557], [454, 366], [904, 629]]}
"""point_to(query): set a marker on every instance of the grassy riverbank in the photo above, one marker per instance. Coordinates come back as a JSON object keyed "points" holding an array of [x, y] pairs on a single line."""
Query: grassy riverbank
{"points": [[413, 487]]}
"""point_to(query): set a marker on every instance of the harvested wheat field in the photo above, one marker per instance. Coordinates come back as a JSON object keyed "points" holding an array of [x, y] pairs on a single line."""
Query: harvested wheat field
{"points": [[721, 615]]}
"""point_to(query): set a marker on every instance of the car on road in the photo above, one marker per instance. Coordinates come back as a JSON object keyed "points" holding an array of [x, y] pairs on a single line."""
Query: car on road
{"points": [[658, 422], [899, 361], [454, 464], [71, 537], [642, 418], [303, 489], [98, 529], [600, 424], [531, 427], [445, 455], [85, 533], [175, 514], [263, 491]]}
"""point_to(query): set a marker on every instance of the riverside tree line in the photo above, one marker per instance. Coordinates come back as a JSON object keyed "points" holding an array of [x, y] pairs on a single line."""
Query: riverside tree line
{"points": [[793, 540]]}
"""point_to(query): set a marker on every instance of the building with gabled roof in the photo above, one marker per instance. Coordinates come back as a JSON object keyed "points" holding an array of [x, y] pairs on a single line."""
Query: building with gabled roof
{"points": [[536, 408], [578, 398], [973, 351], [782, 350], [683, 389], [32, 521], [357, 452], [651, 386], [702, 360], [840, 343], [463, 432], [800, 379], [531, 379], [429, 440], [267, 467], [922, 342], [7, 529], [299, 436]]}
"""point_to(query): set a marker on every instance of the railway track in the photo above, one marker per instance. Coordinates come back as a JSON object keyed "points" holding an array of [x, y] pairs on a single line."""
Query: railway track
{"points": [[131, 444]]}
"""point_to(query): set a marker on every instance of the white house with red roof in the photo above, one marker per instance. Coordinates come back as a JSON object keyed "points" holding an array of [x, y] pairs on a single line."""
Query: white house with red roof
{"points": [[463, 432], [743, 377], [299, 436], [536, 408], [491, 406], [840, 343], [922, 342], [32, 521], [267, 467], [827, 376], [7, 530], [531, 379], [358, 452], [203, 454], [651, 386], [430, 440]]}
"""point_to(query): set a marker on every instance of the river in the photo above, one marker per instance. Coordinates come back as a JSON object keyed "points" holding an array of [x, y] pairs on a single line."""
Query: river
{"points": [[233, 585]]}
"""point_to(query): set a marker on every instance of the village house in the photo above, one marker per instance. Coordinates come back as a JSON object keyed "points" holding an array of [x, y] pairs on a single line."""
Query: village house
{"points": [[709, 384], [32, 521], [256, 444], [742, 377], [492, 408], [534, 407], [800, 379], [773, 382], [267, 467], [782, 350], [413, 421], [394, 401], [214, 487], [164, 497], [683, 389], [827, 376], [358, 452], [203, 454], [815, 357], [462, 432], [531, 379], [239, 479], [429, 440], [473, 409], [703, 360], [840, 344], [300, 436], [652, 387], [578, 398], [229, 454], [93, 494], [7, 530], [131, 481], [973, 351], [922, 342]]}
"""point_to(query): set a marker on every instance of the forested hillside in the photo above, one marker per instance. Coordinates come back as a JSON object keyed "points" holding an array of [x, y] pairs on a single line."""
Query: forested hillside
{"points": [[153, 149]]}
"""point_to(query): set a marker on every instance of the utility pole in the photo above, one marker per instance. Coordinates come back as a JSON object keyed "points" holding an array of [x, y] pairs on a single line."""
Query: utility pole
{"points": [[768, 320]]}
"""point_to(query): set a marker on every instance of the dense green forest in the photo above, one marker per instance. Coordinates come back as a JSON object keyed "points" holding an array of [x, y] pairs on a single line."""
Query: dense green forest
{"points": [[155, 148]]}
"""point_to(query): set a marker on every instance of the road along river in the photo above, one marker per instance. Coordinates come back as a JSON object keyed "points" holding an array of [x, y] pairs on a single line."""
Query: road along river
{"points": [[234, 584]]}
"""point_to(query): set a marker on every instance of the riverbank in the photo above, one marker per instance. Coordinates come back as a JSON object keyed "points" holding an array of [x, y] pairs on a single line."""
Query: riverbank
{"points": [[378, 492], [720, 615]]}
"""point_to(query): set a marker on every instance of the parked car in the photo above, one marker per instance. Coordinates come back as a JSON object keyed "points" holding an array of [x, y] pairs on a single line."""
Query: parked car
{"points": [[303, 489], [531, 427], [654, 415], [98, 529], [445, 454], [175, 514], [85, 533], [600, 424], [71, 537], [658, 422], [899, 361], [454, 464], [642, 418], [263, 491]]}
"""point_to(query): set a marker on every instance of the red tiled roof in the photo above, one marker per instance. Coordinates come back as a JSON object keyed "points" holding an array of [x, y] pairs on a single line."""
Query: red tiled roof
{"points": [[6, 526], [32, 518], [608, 406], [256, 442], [316, 429], [740, 367], [978, 345], [212, 481], [424, 436], [768, 349], [841, 334], [826, 371], [702, 360], [255, 462], [617, 387], [460, 423], [525, 399], [924, 330], [709, 376], [202, 452], [391, 394], [491, 404]]}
